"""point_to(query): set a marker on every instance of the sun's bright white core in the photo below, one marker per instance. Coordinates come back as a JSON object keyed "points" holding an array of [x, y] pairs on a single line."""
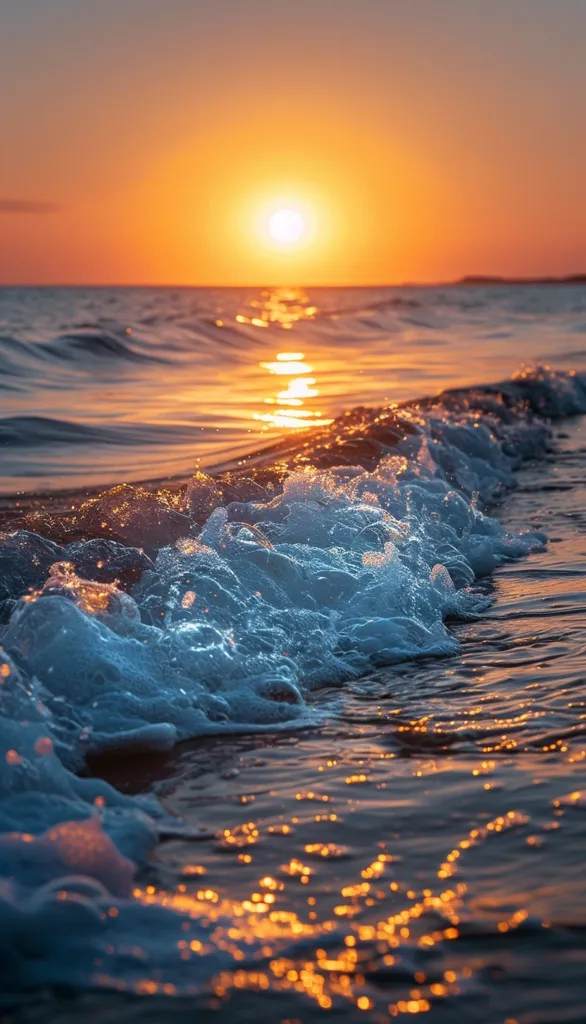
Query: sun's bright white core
{"points": [[286, 227]]}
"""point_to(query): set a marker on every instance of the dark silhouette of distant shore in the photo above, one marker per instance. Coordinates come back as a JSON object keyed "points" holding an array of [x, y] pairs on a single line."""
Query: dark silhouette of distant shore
{"points": [[482, 279]]}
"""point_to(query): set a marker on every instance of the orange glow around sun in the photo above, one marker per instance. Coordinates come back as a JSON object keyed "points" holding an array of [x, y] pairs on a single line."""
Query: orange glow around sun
{"points": [[227, 214], [359, 149], [290, 230]]}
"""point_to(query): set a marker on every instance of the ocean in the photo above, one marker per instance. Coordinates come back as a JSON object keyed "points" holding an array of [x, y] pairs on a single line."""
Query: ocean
{"points": [[101, 385], [292, 690]]}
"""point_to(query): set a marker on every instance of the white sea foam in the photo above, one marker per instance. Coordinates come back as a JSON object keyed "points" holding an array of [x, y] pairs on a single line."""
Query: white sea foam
{"points": [[230, 629]]}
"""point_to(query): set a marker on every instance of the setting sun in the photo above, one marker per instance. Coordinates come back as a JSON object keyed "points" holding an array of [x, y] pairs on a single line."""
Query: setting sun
{"points": [[287, 227], [293, 224]]}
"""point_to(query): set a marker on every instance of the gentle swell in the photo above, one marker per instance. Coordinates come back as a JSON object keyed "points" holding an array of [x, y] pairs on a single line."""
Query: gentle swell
{"points": [[20, 357], [99, 345], [41, 431]]}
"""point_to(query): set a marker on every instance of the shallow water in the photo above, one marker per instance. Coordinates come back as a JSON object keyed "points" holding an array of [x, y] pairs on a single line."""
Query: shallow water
{"points": [[378, 810], [468, 774], [102, 385], [427, 842]]}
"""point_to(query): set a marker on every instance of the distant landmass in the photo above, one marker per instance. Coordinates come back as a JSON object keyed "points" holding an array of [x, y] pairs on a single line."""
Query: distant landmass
{"points": [[482, 279]]}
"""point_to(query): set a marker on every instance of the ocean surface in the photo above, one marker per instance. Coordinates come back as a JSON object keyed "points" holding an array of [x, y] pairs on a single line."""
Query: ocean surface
{"points": [[103, 385], [293, 721]]}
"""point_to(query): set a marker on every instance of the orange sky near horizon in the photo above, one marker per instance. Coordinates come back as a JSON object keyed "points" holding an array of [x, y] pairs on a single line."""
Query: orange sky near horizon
{"points": [[428, 140]]}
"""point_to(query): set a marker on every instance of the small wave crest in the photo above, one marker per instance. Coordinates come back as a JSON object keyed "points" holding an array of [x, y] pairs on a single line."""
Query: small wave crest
{"points": [[32, 432], [19, 357], [99, 345]]}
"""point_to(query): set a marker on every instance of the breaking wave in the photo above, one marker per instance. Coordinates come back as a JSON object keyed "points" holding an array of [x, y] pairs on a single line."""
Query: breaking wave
{"points": [[143, 618]]}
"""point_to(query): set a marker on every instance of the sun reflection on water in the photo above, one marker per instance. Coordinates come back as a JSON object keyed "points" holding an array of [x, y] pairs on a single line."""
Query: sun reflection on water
{"points": [[375, 925], [300, 389], [281, 307], [285, 307]]}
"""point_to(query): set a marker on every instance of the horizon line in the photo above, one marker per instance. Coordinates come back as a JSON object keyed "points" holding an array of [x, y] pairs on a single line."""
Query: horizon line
{"points": [[467, 279]]}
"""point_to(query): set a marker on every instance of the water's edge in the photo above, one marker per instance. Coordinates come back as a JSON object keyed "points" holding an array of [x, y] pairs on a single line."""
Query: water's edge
{"points": [[144, 617]]}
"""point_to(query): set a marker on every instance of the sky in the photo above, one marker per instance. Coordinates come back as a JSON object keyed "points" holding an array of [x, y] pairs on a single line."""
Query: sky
{"points": [[150, 141]]}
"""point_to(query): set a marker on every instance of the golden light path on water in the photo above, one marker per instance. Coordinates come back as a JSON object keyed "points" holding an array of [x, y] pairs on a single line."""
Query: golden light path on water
{"points": [[293, 399], [336, 968], [321, 923], [286, 307]]}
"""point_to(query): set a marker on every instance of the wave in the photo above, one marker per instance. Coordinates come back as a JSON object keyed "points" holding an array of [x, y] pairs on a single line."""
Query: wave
{"points": [[20, 357], [84, 345], [147, 617], [44, 431], [15, 356]]}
